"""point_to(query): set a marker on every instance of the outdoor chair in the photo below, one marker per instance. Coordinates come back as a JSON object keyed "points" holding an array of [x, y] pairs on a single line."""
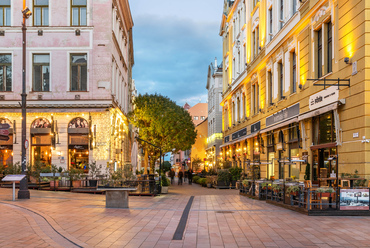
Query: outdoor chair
{"points": [[314, 198]]}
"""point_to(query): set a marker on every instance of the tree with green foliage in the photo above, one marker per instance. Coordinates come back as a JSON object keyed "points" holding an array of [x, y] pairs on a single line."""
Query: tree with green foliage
{"points": [[166, 166], [162, 123]]}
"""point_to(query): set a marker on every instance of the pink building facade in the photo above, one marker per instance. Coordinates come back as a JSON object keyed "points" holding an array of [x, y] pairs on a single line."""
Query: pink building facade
{"points": [[79, 83]]}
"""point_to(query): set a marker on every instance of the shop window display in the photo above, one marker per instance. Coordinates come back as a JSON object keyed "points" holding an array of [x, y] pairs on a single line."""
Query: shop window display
{"points": [[6, 145], [78, 144], [41, 141]]}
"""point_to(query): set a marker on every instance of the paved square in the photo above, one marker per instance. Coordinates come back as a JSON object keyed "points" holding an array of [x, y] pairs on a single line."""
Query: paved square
{"points": [[217, 218]]}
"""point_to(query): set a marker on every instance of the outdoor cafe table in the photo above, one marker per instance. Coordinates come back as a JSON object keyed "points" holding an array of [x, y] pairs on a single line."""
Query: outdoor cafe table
{"points": [[116, 197]]}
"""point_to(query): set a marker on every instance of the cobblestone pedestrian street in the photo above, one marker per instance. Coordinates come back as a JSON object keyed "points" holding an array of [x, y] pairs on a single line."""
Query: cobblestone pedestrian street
{"points": [[217, 218]]}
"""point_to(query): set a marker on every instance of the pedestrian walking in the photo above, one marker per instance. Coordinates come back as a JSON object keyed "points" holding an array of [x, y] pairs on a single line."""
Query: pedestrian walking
{"points": [[181, 174], [190, 176], [172, 175]]}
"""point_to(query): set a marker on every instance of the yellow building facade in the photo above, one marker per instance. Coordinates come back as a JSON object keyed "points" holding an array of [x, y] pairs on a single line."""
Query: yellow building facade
{"points": [[295, 92]]}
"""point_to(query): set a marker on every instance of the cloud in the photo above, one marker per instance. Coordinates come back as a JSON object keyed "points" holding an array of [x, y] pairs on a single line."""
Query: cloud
{"points": [[172, 54]]}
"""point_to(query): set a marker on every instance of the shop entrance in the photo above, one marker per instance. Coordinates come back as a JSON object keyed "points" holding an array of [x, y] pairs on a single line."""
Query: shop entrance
{"points": [[41, 142], [322, 167], [78, 144], [6, 145]]}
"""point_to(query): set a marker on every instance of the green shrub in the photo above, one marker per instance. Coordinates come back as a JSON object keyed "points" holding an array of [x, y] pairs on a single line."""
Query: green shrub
{"points": [[165, 181], [235, 173], [196, 178], [202, 181], [224, 176]]}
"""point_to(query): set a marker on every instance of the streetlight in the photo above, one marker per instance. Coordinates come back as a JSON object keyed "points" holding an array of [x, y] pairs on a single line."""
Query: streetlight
{"points": [[23, 192]]}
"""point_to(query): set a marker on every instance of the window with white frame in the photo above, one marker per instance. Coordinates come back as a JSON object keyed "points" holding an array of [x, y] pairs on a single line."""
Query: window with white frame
{"points": [[270, 23], [5, 15], [281, 80], [41, 72], [78, 72], [319, 53], [5, 72], [293, 86], [270, 85], [79, 12], [256, 38], [281, 14], [238, 109], [41, 12], [329, 51], [294, 6], [256, 106]]}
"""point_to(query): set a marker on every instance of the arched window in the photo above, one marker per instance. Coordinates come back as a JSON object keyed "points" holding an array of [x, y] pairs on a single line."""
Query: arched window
{"points": [[41, 141]]}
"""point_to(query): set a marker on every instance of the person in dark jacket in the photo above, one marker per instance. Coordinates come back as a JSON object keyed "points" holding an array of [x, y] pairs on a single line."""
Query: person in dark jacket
{"points": [[181, 175], [172, 175], [190, 176]]}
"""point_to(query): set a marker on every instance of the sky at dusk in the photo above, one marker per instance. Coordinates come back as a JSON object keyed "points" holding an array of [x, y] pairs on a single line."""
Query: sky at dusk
{"points": [[174, 43]]}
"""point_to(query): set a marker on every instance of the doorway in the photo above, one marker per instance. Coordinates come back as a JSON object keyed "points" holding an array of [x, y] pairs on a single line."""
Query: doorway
{"points": [[322, 167]]}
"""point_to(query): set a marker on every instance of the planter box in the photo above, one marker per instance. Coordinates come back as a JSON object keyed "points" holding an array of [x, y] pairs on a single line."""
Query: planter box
{"points": [[93, 183], [327, 194], [294, 193], [76, 184], [164, 190], [52, 184]]}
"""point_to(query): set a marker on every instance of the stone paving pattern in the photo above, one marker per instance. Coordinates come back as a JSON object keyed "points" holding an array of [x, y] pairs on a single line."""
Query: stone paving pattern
{"points": [[218, 218]]}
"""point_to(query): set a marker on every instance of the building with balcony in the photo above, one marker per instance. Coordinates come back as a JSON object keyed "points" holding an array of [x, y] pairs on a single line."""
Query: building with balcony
{"points": [[294, 88], [78, 81], [214, 88]]}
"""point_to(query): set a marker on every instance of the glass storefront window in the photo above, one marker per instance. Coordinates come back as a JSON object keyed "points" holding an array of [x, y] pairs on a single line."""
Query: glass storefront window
{"points": [[41, 154], [323, 129], [294, 168], [79, 157], [6, 155], [271, 167]]}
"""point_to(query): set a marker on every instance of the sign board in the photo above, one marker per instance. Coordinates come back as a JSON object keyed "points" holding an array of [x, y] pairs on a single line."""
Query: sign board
{"points": [[239, 133], [26, 144], [4, 138], [4, 132], [4, 126], [324, 97], [354, 199], [354, 68], [283, 115], [256, 127], [355, 135], [13, 178]]}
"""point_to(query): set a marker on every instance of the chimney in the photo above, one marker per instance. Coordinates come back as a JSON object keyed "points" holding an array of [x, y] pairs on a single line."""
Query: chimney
{"points": [[216, 63]]}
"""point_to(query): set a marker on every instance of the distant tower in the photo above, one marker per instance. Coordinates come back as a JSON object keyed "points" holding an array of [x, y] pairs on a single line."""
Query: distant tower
{"points": [[186, 106]]}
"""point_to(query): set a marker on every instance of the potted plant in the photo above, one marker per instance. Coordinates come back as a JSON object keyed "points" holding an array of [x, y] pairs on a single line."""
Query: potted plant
{"points": [[245, 183], [209, 181], [74, 176], [265, 186], [235, 173], [326, 192], [276, 188], [293, 190], [94, 170], [165, 183], [223, 178]]}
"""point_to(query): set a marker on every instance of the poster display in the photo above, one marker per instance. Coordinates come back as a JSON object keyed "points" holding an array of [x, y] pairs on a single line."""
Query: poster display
{"points": [[354, 199]]}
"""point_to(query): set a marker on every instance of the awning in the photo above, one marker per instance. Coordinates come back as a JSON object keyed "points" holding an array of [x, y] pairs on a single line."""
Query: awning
{"points": [[319, 111], [281, 124]]}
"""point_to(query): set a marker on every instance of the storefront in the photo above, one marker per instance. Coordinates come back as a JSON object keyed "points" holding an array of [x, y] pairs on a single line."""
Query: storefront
{"points": [[6, 145], [41, 141], [78, 144]]}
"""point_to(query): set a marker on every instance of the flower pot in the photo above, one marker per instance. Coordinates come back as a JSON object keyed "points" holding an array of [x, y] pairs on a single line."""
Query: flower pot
{"points": [[327, 194], [54, 184], [294, 193], [164, 190], [209, 185], [77, 184], [269, 187], [276, 190], [93, 182]]}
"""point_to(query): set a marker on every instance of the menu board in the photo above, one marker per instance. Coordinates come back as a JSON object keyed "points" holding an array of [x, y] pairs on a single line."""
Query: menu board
{"points": [[354, 199]]}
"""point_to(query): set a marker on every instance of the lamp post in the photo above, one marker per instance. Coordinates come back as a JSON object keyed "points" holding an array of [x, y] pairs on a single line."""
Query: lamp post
{"points": [[23, 192]]}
